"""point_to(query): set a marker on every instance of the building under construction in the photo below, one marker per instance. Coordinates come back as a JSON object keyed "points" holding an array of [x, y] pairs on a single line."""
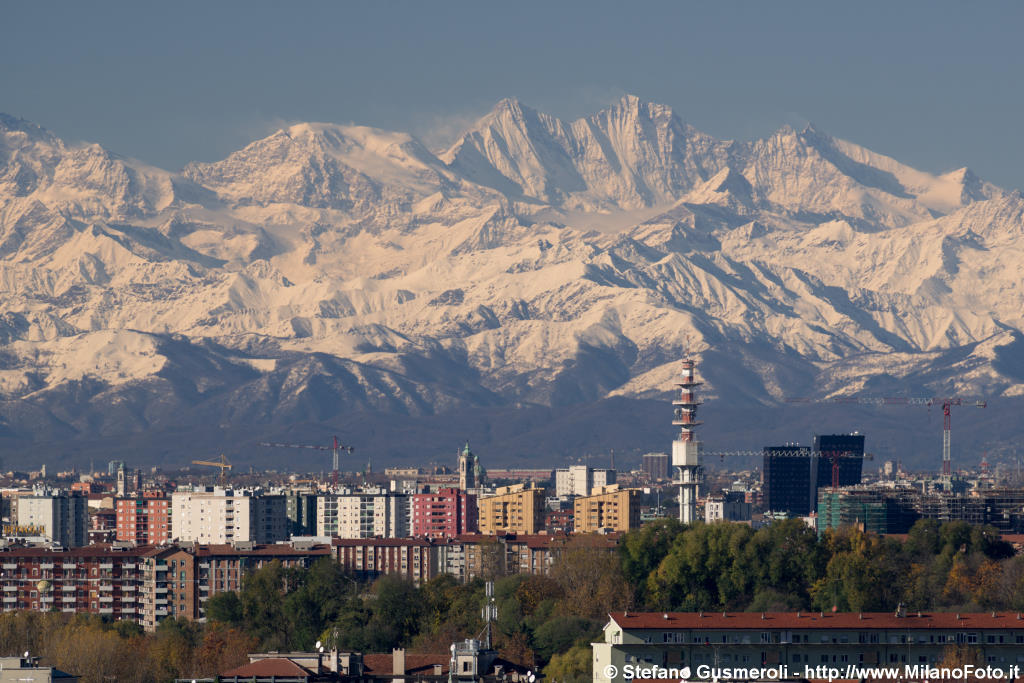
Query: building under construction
{"points": [[894, 511]]}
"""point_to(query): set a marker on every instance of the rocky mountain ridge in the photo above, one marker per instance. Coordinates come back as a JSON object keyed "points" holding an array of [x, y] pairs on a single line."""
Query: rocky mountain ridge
{"points": [[334, 275]]}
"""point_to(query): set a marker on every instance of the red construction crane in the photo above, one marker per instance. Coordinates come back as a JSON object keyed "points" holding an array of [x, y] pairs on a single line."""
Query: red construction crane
{"points": [[947, 404], [335, 447], [797, 452]]}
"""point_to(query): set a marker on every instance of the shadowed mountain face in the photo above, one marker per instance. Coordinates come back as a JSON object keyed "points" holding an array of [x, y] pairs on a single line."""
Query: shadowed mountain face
{"points": [[532, 287]]}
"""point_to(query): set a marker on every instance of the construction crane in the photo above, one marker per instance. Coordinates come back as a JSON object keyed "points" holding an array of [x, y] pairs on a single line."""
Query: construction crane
{"points": [[223, 464], [335, 448], [947, 404], [798, 452]]}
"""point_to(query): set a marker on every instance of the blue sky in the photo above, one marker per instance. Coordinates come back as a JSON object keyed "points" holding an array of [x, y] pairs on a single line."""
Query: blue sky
{"points": [[934, 84]]}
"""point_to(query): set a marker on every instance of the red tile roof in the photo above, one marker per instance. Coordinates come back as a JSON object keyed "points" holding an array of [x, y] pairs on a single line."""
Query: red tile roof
{"points": [[278, 666], [414, 663], [272, 549], [381, 542], [817, 620]]}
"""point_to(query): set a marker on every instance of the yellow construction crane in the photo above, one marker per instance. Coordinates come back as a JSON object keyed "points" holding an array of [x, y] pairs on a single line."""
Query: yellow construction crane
{"points": [[223, 464]]}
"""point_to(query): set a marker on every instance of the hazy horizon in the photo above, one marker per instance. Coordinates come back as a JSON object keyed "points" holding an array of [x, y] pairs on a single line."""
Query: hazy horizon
{"points": [[931, 84]]}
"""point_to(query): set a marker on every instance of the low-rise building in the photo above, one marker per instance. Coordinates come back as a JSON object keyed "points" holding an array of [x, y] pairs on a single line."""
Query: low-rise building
{"points": [[743, 640], [728, 506]]}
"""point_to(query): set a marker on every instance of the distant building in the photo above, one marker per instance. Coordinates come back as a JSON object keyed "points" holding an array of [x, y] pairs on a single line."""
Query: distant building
{"points": [[655, 465], [14, 669], [444, 513], [849, 449], [60, 517], [300, 509], [607, 508], [467, 469], [412, 558], [218, 515], [513, 510], [369, 513], [580, 480], [787, 485], [873, 511], [729, 506], [144, 519], [102, 526]]}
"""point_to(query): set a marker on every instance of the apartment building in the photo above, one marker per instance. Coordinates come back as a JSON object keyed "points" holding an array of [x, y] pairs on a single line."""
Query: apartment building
{"points": [[370, 513], [368, 558], [580, 480], [799, 639], [99, 579], [145, 518], [444, 513], [609, 508], [59, 517], [214, 515], [513, 510], [143, 584]]}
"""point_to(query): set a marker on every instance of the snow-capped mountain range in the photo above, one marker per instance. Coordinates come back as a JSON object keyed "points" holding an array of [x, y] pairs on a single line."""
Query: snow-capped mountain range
{"points": [[334, 275]]}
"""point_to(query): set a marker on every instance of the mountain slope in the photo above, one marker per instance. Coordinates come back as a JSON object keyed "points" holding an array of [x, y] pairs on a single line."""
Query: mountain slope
{"points": [[540, 270]]}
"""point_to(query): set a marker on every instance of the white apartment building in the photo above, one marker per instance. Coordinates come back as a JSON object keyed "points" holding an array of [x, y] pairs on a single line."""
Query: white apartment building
{"points": [[217, 515], [581, 480], [60, 518], [370, 513]]}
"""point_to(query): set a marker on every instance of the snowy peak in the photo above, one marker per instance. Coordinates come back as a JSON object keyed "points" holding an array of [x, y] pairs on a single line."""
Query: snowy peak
{"points": [[322, 165], [634, 154]]}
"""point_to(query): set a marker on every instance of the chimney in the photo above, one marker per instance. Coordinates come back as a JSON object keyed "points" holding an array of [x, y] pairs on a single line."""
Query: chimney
{"points": [[398, 663]]}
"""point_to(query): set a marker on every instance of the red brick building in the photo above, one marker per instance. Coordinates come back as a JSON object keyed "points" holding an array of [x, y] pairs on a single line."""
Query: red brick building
{"points": [[445, 513]]}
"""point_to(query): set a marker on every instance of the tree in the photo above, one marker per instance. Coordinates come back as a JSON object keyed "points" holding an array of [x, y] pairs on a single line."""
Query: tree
{"points": [[574, 666]]}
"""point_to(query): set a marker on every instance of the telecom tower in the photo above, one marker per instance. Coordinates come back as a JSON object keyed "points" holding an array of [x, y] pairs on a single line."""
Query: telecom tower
{"points": [[686, 448]]}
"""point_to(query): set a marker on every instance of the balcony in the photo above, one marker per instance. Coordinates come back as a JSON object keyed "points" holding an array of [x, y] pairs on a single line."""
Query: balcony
{"points": [[106, 587], [46, 600], [10, 598], [69, 565], [69, 610], [106, 565], [106, 610], [46, 565], [10, 589], [160, 613], [67, 589], [106, 598], [67, 599], [160, 590], [8, 565], [128, 587]]}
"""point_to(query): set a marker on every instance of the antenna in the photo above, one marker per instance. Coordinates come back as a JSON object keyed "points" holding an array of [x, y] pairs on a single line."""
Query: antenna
{"points": [[490, 611]]}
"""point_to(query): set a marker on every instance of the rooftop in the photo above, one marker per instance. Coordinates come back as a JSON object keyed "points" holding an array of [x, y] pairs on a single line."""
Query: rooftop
{"points": [[817, 620]]}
